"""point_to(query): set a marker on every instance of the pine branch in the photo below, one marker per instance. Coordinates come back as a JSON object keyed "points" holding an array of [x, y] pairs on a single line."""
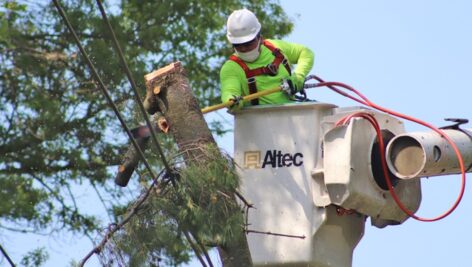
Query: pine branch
{"points": [[114, 227]]}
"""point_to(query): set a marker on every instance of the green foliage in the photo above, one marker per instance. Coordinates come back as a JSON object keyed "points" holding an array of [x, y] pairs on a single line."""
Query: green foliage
{"points": [[205, 193], [19, 206], [205, 197], [56, 130], [35, 258], [218, 128], [150, 238], [201, 204]]}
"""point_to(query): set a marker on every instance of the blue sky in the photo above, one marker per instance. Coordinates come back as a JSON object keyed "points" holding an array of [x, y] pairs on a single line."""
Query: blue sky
{"points": [[414, 57], [411, 56]]}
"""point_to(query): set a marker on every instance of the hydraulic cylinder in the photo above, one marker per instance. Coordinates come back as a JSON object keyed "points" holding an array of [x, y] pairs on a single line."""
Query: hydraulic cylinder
{"points": [[425, 154]]}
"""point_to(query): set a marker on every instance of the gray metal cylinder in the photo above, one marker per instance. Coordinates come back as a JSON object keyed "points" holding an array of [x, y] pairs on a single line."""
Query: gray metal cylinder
{"points": [[422, 154]]}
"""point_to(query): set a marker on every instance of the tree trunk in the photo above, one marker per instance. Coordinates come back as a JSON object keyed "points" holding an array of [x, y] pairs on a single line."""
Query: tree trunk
{"points": [[169, 92]]}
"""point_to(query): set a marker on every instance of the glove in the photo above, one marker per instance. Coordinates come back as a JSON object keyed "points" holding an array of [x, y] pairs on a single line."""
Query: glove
{"points": [[237, 100], [293, 84], [288, 87], [299, 81], [237, 104]]}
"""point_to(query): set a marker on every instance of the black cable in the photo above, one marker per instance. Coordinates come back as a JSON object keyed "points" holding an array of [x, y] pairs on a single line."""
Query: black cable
{"points": [[7, 256], [110, 101], [103, 88], [133, 85]]}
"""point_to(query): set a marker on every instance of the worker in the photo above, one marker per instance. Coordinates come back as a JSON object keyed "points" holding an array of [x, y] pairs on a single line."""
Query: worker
{"points": [[259, 64]]}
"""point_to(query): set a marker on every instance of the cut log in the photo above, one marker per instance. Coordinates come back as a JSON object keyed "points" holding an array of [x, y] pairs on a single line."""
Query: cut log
{"points": [[189, 129], [131, 158]]}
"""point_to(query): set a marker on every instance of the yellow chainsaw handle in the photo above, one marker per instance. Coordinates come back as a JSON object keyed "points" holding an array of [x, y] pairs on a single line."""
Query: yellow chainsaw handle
{"points": [[250, 97]]}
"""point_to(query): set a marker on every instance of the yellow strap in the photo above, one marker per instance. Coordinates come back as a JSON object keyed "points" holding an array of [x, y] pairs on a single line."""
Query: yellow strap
{"points": [[245, 98]]}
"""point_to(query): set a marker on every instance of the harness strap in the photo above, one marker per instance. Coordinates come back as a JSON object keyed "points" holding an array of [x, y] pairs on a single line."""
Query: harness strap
{"points": [[279, 58], [271, 69], [251, 81]]}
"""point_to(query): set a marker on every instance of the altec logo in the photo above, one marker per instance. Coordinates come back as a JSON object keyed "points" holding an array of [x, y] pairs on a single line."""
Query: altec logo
{"points": [[272, 158]]}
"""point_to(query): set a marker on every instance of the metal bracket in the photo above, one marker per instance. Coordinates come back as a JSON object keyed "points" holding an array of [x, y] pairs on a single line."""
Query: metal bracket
{"points": [[456, 126]]}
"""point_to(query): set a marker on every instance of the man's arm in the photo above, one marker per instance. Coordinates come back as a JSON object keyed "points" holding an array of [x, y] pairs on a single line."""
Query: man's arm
{"points": [[300, 55], [231, 86]]}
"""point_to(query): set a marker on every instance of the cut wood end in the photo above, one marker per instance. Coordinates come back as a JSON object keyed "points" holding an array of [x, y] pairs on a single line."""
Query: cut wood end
{"points": [[122, 168], [172, 67], [163, 125], [156, 90]]}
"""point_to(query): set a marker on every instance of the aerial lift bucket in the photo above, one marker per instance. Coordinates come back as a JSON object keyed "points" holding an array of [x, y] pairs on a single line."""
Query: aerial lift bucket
{"points": [[308, 211]]}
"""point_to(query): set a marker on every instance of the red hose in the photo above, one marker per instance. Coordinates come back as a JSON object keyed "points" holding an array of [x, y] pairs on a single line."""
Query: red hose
{"points": [[365, 101]]}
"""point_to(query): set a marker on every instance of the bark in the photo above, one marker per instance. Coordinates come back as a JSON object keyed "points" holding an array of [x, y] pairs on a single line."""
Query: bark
{"points": [[131, 158], [130, 162], [168, 91]]}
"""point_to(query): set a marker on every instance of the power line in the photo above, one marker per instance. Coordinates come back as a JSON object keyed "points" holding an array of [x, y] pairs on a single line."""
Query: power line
{"points": [[133, 85], [153, 133], [103, 87], [110, 101], [7, 256]]}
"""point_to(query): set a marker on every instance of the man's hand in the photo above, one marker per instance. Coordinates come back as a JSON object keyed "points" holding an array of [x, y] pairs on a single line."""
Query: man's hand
{"points": [[289, 86], [237, 100], [237, 104], [292, 85]]}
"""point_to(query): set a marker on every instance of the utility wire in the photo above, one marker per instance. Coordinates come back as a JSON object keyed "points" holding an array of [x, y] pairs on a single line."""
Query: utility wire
{"points": [[133, 85], [110, 101], [103, 88], [7, 256], [153, 133]]}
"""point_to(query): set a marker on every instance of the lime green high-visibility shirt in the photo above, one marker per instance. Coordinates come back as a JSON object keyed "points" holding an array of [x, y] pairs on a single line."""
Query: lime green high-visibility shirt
{"points": [[233, 79]]}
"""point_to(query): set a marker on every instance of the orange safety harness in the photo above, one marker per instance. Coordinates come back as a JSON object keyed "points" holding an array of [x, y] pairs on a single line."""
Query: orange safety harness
{"points": [[271, 69]]}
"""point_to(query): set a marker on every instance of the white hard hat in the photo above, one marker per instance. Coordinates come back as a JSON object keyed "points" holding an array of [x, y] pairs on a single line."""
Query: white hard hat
{"points": [[242, 26]]}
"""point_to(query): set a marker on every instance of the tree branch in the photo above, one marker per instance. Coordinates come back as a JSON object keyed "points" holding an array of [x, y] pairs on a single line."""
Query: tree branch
{"points": [[56, 168], [248, 206], [24, 231], [22, 142], [101, 199], [48, 35], [114, 227], [12, 115], [276, 234]]}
